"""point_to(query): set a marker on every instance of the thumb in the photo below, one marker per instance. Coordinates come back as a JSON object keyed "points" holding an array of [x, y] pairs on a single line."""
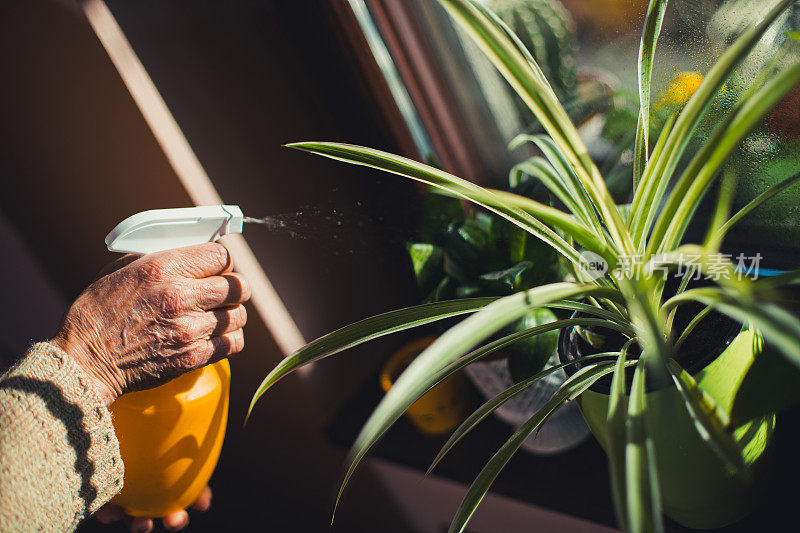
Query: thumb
{"points": [[198, 261]]}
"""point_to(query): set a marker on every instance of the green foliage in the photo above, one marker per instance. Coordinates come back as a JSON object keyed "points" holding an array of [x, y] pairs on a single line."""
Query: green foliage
{"points": [[479, 254], [628, 300], [647, 51], [428, 263], [547, 30], [527, 357]]}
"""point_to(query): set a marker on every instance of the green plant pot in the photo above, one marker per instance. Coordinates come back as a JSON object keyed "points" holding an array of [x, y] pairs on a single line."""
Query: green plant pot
{"points": [[696, 489]]}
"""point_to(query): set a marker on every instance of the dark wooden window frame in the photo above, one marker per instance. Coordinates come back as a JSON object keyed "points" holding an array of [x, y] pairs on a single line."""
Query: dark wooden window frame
{"points": [[424, 80]]}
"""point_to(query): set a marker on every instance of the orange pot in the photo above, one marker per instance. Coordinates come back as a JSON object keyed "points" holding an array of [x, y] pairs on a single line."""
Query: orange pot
{"points": [[443, 407], [170, 438]]}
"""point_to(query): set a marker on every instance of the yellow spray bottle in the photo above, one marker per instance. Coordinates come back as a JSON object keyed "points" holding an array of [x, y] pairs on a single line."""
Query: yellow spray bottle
{"points": [[171, 436]]}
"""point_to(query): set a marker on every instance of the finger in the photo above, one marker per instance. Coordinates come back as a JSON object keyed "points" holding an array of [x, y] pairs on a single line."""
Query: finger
{"points": [[208, 351], [203, 502], [225, 345], [139, 524], [219, 321], [199, 261], [109, 513], [219, 291], [176, 521]]}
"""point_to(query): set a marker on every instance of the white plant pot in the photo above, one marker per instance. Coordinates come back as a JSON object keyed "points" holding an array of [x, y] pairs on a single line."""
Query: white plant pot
{"points": [[564, 430]]}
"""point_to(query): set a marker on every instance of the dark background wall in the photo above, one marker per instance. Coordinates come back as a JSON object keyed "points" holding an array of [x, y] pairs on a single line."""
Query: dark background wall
{"points": [[241, 78]]}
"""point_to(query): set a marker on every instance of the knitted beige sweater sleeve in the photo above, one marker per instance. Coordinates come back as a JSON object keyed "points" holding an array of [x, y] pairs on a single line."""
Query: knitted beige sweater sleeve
{"points": [[59, 456]]}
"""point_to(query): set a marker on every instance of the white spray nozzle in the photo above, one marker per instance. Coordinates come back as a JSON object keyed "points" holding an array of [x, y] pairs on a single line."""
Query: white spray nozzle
{"points": [[164, 229]]}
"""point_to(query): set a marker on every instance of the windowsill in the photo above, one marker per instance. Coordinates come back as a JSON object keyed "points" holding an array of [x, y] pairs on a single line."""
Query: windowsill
{"points": [[574, 482]]}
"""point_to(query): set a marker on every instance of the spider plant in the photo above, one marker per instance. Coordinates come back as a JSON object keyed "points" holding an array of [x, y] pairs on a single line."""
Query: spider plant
{"points": [[629, 300]]}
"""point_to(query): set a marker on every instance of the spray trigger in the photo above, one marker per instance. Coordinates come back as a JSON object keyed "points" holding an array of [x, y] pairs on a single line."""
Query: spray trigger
{"points": [[164, 229]]}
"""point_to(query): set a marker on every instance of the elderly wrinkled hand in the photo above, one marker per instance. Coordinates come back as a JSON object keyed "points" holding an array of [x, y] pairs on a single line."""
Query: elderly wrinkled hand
{"points": [[155, 318]]}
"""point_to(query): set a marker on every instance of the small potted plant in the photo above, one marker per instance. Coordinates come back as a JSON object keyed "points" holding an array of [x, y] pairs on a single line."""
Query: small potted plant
{"points": [[620, 258], [463, 252]]}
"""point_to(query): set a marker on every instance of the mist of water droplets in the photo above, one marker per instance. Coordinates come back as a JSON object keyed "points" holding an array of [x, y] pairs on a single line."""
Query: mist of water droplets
{"points": [[334, 229]]}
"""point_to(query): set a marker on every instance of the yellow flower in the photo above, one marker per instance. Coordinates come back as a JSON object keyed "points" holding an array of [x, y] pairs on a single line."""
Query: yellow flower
{"points": [[681, 88]]}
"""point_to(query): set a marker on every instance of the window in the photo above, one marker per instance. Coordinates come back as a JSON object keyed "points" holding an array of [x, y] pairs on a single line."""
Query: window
{"points": [[589, 51]]}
